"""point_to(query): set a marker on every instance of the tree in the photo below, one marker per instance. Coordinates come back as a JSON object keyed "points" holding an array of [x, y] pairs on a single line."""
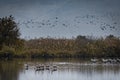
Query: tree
{"points": [[81, 42], [9, 31]]}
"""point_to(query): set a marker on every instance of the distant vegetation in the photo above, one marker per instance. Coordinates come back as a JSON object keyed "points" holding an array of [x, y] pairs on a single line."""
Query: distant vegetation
{"points": [[80, 47]]}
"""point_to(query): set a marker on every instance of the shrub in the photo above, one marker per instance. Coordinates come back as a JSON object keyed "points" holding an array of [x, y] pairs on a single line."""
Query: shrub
{"points": [[7, 52]]}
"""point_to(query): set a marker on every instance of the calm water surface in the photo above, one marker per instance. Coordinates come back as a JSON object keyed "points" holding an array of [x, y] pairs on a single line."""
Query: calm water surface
{"points": [[66, 69]]}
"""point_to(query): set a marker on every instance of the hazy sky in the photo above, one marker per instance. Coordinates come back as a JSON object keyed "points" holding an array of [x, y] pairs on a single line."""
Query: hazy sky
{"points": [[64, 18]]}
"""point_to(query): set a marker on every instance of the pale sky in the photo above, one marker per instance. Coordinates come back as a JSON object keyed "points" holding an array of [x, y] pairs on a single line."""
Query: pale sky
{"points": [[64, 18]]}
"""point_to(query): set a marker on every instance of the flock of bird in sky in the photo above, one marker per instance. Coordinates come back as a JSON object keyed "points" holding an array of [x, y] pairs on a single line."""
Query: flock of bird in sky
{"points": [[77, 20]]}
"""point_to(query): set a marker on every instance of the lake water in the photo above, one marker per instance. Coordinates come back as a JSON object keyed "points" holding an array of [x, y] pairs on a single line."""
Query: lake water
{"points": [[59, 69]]}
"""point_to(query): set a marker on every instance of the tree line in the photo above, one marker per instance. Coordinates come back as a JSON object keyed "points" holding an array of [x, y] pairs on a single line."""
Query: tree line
{"points": [[11, 45]]}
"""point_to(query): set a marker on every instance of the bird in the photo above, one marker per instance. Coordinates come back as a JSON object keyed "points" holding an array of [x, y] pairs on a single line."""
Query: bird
{"points": [[26, 66], [54, 68], [104, 60], [47, 67], [94, 60], [39, 67], [118, 60], [56, 18]]}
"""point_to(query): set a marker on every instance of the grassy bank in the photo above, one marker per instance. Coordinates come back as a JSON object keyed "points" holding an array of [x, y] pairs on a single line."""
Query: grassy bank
{"points": [[79, 47]]}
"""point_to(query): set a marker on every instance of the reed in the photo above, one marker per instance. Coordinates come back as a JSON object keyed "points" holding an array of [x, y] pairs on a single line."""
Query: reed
{"points": [[79, 47]]}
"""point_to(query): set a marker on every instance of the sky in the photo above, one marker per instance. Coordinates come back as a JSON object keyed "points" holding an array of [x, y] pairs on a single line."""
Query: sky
{"points": [[64, 18]]}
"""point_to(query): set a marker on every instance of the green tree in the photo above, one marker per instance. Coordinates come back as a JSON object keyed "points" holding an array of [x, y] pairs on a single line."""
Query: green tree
{"points": [[9, 31]]}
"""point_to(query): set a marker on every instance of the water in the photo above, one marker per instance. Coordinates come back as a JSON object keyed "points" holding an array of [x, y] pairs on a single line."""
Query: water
{"points": [[66, 69]]}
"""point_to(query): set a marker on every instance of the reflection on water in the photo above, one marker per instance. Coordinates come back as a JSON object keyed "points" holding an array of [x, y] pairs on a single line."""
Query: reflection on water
{"points": [[70, 69]]}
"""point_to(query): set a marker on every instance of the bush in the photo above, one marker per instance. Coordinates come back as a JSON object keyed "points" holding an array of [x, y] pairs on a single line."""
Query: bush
{"points": [[7, 52]]}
